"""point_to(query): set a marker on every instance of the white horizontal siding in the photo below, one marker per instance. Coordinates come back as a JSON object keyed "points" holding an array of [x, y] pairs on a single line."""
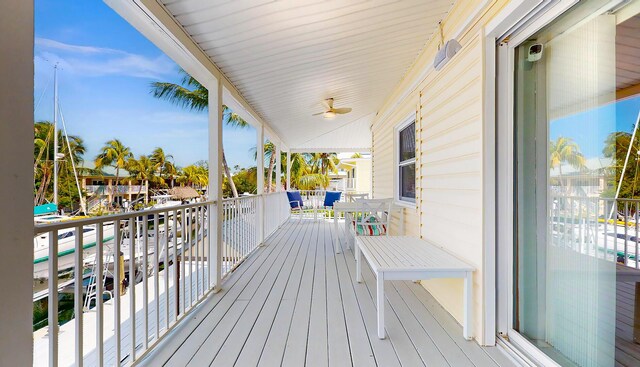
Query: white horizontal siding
{"points": [[451, 170]]}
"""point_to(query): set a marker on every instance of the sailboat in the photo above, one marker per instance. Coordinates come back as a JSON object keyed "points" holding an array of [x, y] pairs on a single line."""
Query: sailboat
{"points": [[48, 213]]}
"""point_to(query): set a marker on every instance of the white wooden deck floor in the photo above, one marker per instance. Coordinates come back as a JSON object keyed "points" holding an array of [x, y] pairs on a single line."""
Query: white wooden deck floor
{"points": [[294, 302], [627, 352]]}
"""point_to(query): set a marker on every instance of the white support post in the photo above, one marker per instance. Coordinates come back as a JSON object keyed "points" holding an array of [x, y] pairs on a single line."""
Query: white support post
{"points": [[215, 184], [289, 170], [260, 189], [16, 165], [278, 169]]}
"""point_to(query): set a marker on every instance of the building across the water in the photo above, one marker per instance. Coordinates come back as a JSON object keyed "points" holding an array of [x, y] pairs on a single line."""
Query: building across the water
{"points": [[102, 191]]}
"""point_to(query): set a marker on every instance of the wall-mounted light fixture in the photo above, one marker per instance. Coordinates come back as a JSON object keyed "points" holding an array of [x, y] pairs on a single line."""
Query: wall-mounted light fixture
{"points": [[446, 51]]}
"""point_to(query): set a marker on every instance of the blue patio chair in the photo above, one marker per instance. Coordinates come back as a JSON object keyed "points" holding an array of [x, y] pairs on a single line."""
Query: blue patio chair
{"points": [[330, 198], [296, 203]]}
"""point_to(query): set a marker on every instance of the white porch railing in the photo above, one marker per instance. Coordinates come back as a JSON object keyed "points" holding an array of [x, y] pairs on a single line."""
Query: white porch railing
{"points": [[277, 211], [239, 231], [600, 227], [165, 262]]}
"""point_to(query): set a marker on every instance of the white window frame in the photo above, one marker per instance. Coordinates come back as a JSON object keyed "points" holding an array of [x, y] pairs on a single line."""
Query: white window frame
{"points": [[407, 202]]}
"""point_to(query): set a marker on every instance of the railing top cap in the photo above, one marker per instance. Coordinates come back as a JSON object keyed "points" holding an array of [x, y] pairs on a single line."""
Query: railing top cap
{"points": [[42, 228]]}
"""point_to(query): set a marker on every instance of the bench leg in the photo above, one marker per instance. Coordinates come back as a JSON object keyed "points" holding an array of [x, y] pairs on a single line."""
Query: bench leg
{"points": [[380, 304], [358, 256], [468, 310], [336, 237], [346, 230]]}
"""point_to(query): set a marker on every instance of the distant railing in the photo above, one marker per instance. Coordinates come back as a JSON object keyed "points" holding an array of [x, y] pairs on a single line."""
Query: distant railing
{"points": [[239, 231], [315, 198], [277, 211], [120, 189], [601, 227]]}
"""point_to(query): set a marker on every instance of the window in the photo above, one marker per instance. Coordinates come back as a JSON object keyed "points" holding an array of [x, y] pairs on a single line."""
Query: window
{"points": [[407, 162]]}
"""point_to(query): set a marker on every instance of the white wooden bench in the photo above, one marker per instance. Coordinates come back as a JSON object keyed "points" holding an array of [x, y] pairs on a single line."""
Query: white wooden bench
{"points": [[410, 258]]}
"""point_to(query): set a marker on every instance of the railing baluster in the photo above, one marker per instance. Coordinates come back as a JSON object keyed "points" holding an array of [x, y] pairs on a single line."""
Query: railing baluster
{"points": [[53, 298], [203, 226], [626, 221], [77, 295], [166, 270], [132, 285], [183, 274], [606, 230], [635, 252], [190, 234], [597, 227], [156, 273], [99, 292], [243, 211], [116, 289], [176, 268], [195, 218], [145, 278], [615, 231], [210, 245]]}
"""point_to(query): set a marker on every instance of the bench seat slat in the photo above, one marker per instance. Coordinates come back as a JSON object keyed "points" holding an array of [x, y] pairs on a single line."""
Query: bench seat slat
{"points": [[408, 253]]}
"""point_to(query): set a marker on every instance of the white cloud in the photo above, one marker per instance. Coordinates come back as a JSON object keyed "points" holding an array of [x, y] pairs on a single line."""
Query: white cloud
{"points": [[52, 44], [99, 61]]}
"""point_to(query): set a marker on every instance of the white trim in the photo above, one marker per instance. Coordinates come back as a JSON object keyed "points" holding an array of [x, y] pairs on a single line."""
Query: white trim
{"points": [[329, 149], [489, 191], [411, 118]]}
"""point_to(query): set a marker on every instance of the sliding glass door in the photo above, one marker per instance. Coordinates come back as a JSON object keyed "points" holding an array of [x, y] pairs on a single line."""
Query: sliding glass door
{"points": [[577, 184]]}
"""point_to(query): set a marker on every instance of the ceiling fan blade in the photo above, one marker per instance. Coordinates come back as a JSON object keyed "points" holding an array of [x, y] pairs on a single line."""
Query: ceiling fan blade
{"points": [[319, 113], [342, 111], [328, 103]]}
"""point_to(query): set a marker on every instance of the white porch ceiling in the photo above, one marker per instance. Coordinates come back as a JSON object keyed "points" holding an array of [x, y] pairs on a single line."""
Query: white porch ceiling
{"points": [[286, 56]]}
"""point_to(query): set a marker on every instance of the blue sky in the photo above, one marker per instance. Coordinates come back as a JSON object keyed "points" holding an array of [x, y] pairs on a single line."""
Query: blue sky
{"points": [[106, 69], [590, 128]]}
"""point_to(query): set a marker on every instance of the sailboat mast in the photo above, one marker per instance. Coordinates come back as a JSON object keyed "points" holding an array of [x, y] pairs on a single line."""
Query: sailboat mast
{"points": [[55, 134]]}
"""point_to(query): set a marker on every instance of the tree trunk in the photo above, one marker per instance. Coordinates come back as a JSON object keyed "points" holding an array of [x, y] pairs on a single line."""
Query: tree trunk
{"points": [[227, 172], [272, 163], [115, 189]]}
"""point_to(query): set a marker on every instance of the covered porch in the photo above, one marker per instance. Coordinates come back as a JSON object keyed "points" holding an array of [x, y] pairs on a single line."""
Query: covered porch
{"points": [[295, 302]]}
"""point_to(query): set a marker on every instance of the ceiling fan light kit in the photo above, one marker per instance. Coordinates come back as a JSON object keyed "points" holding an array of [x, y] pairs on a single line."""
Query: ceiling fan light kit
{"points": [[331, 112]]}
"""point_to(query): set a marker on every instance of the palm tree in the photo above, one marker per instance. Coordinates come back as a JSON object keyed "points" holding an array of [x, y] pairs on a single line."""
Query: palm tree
{"points": [[325, 162], [616, 147], [143, 170], [565, 150], [270, 156], [43, 158], [114, 154], [193, 175], [163, 166], [194, 96]]}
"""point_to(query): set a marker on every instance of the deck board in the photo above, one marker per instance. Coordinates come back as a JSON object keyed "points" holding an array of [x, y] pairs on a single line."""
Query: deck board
{"points": [[295, 302], [627, 352]]}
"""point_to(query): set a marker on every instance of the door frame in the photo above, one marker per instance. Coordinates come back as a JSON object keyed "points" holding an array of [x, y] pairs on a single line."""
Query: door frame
{"points": [[513, 25]]}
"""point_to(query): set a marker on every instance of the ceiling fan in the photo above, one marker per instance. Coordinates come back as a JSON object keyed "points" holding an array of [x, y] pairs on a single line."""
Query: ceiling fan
{"points": [[332, 112]]}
